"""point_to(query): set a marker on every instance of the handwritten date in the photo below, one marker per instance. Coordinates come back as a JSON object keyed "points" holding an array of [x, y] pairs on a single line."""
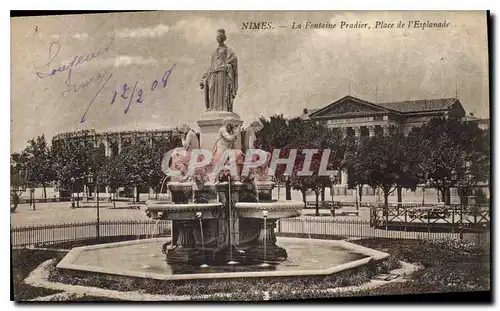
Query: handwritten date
{"points": [[133, 93]]}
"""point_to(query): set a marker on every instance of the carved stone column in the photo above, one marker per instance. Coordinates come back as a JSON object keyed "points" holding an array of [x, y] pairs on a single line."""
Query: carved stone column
{"points": [[343, 177], [385, 129], [119, 143], [107, 147], [371, 130], [344, 131], [357, 131]]}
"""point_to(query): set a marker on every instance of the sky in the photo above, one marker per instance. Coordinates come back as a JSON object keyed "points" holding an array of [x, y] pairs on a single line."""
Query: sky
{"points": [[281, 70]]}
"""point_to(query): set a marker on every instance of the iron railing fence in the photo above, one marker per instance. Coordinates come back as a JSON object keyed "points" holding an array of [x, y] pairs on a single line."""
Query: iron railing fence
{"points": [[56, 233], [329, 227], [351, 204], [81, 199], [471, 216], [304, 226]]}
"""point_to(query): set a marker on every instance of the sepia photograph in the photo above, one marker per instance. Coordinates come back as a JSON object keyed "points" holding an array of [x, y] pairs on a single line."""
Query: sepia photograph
{"points": [[250, 156]]}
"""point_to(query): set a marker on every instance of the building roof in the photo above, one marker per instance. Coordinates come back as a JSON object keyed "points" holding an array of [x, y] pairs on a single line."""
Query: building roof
{"points": [[345, 105], [307, 113], [419, 105]]}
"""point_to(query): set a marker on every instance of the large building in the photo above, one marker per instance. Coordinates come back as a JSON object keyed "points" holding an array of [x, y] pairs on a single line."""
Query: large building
{"points": [[361, 118]]}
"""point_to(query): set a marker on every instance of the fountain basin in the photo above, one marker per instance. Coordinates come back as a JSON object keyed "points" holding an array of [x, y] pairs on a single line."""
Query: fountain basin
{"points": [[143, 259], [173, 211], [264, 185], [224, 186], [181, 186], [275, 209]]}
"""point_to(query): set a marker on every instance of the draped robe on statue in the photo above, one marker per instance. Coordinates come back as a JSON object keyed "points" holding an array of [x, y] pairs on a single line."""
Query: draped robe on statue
{"points": [[221, 80], [182, 155], [224, 141]]}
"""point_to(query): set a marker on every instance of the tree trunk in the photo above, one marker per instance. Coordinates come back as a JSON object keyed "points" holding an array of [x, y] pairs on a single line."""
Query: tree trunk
{"points": [[444, 195], [15, 202], [317, 202], [304, 196], [323, 194], [360, 192], [137, 194], [386, 207], [400, 195], [44, 191], [462, 195], [34, 201], [288, 190]]}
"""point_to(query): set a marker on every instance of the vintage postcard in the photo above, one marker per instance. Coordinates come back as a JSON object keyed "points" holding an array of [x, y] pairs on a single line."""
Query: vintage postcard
{"points": [[250, 155]]}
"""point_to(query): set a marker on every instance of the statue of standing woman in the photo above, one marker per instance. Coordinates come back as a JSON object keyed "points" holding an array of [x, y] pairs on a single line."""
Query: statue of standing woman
{"points": [[220, 81]]}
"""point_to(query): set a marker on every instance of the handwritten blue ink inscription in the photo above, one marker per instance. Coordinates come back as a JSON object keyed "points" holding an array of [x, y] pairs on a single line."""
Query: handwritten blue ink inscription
{"points": [[75, 81], [129, 93], [54, 50]]}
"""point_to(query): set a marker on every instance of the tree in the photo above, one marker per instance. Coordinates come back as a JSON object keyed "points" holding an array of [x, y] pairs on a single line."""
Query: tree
{"points": [[359, 176], [113, 174], [18, 177], [286, 134], [277, 133], [383, 161], [73, 159], [315, 182], [138, 164], [97, 167], [39, 163], [311, 135], [154, 174], [410, 160], [456, 155]]}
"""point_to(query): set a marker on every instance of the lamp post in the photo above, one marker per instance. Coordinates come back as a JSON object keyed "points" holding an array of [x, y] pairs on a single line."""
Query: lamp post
{"points": [[427, 184], [97, 201], [333, 180], [452, 181], [90, 181], [288, 195], [72, 192], [33, 197], [356, 193], [77, 195]]}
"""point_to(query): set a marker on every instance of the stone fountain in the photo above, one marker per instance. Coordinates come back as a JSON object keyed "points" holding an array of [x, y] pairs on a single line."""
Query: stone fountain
{"points": [[223, 220], [217, 217]]}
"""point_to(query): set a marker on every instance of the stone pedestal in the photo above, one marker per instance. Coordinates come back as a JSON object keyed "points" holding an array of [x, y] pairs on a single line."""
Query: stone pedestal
{"points": [[264, 248], [192, 246], [210, 122]]}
